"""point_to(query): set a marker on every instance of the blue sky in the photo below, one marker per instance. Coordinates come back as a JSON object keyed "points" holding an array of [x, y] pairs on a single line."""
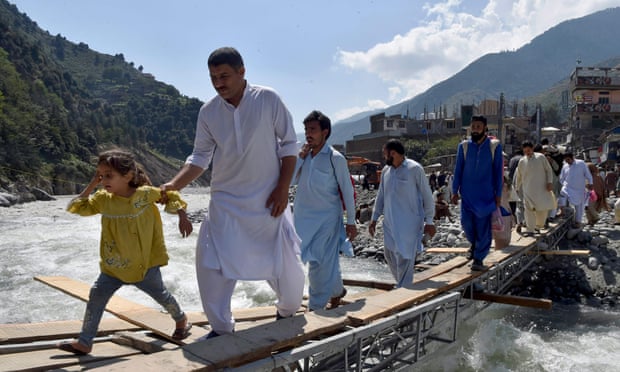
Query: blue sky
{"points": [[340, 57]]}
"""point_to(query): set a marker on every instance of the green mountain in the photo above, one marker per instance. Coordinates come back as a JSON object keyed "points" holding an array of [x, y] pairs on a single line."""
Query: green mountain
{"points": [[61, 102]]}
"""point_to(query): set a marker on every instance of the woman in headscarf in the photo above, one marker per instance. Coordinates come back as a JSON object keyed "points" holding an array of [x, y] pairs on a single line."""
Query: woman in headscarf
{"points": [[598, 201]]}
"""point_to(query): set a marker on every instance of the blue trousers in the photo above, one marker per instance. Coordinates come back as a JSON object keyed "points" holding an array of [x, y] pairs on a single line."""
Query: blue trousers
{"points": [[478, 232], [104, 288], [325, 279], [402, 269]]}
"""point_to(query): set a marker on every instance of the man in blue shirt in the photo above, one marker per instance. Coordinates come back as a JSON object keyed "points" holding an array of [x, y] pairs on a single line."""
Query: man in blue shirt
{"points": [[478, 177], [406, 201], [322, 176]]}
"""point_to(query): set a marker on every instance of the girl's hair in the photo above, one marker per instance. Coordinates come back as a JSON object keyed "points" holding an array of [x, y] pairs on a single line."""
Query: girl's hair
{"points": [[124, 162]]}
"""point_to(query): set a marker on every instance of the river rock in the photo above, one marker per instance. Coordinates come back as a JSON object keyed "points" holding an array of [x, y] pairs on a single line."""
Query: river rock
{"points": [[4, 202], [584, 237], [593, 263], [572, 233], [599, 240], [41, 194]]}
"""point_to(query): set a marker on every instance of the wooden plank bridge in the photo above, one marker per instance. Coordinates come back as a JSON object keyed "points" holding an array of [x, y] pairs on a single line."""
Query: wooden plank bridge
{"points": [[375, 329]]}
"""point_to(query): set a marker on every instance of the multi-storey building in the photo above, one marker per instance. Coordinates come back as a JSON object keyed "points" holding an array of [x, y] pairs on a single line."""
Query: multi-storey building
{"points": [[434, 125], [595, 93], [383, 128]]}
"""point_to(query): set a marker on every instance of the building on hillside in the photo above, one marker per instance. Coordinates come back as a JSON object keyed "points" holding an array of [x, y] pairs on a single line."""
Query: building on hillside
{"points": [[430, 126], [384, 128], [488, 107], [595, 93]]}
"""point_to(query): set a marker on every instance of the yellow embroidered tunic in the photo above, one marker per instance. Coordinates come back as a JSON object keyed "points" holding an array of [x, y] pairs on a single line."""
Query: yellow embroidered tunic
{"points": [[132, 239]]}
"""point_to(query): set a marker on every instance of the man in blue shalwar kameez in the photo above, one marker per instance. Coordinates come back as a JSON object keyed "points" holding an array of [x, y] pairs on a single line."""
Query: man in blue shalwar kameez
{"points": [[406, 201], [320, 173], [478, 177]]}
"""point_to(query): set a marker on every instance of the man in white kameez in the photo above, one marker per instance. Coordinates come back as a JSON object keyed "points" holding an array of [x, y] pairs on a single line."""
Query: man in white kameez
{"points": [[406, 201], [248, 232], [534, 182], [320, 174], [575, 178]]}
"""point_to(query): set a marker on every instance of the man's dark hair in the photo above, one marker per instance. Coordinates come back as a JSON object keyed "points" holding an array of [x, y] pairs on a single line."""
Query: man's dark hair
{"points": [[395, 145], [544, 141], [226, 56], [527, 143], [323, 120], [479, 118], [569, 154]]}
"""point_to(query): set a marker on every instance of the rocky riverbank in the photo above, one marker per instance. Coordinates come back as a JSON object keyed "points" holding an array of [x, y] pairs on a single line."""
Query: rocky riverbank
{"points": [[12, 193]]}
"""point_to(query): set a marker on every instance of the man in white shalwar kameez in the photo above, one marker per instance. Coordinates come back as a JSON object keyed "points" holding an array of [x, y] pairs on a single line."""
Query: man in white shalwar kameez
{"points": [[534, 181], [575, 178], [248, 232], [320, 173], [406, 201]]}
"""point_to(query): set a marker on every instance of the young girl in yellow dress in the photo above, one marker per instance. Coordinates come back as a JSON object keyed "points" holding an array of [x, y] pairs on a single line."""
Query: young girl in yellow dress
{"points": [[132, 245]]}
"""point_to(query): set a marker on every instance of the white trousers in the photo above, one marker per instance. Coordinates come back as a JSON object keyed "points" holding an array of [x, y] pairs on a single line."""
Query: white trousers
{"points": [[216, 292], [535, 219], [579, 208]]}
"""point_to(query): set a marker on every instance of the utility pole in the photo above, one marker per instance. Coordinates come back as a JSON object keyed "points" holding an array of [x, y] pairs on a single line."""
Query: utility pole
{"points": [[500, 118], [538, 119]]}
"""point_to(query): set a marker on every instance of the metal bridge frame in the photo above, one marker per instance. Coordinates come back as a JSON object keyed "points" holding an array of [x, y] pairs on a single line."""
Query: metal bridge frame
{"points": [[393, 342], [398, 341]]}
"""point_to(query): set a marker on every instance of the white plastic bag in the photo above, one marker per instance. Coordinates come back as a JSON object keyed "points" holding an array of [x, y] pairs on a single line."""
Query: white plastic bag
{"points": [[497, 222]]}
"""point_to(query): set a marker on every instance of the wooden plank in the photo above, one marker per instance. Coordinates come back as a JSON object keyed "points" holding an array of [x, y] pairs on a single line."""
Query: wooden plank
{"points": [[402, 298], [54, 358], [143, 341], [132, 312], [172, 360], [561, 252], [417, 277], [538, 303], [440, 269], [261, 341], [349, 298], [448, 250], [241, 315], [54, 330], [368, 284]]}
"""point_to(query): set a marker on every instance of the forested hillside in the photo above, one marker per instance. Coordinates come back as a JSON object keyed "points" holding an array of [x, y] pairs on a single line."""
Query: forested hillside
{"points": [[60, 102]]}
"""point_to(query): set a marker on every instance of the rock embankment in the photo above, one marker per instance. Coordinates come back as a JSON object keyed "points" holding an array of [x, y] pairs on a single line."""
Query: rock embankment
{"points": [[12, 193]]}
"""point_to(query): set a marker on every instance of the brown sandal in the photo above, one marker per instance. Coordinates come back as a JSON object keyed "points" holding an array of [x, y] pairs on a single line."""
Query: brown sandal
{"points": [[334, 302], [68, 346]]}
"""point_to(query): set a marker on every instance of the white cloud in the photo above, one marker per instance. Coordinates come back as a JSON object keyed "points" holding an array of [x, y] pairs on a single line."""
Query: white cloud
{"points": [[449, 39], [348, 112], [395, 93]]}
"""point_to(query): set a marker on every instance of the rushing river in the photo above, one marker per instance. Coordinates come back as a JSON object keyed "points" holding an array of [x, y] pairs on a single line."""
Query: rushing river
{"points": [[40, 238]]}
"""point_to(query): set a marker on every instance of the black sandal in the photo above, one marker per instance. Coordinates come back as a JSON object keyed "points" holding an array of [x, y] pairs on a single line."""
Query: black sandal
{"points": [[182, 333]]}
